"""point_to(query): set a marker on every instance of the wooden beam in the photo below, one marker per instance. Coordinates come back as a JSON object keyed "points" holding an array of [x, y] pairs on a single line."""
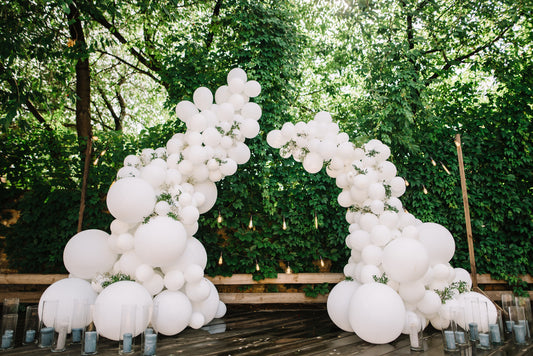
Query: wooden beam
{"points": [[270, 298], [236, 279], [283, 278], [469, 237]]}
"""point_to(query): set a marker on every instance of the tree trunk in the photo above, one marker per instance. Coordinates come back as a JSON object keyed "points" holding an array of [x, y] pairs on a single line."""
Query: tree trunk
{"points": [[83, 101]]}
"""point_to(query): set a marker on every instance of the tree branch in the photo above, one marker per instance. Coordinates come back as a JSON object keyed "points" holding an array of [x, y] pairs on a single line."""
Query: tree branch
{"points": [[211, 34], [132, 66], [475, 51], [29, 105], [99, 18]]}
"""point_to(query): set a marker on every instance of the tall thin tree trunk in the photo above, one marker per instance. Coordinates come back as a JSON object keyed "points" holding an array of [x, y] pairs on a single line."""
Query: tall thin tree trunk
{"points": [[83, 101]]}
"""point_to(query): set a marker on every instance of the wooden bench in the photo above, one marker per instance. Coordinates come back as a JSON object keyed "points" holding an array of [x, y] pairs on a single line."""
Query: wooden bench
{"points": [[29, 287]]}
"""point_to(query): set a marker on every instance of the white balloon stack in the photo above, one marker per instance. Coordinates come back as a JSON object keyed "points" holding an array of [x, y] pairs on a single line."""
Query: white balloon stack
{"points": [[387, 244], [156, 202]]}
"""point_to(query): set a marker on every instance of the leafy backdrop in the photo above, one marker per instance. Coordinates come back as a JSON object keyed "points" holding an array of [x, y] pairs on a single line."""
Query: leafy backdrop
{"points": [[410, 73]]}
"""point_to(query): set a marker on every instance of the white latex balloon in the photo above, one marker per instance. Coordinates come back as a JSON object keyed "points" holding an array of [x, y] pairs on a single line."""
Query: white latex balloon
{"points": [[405, 260], [222, 94], [463, 275], [87, 254], [108, 308], [372, 255], [129, 262], [194, 254], [369, 273], [240, 153], [70, 293], [207, 307], [438, 241], [185, 110], [119, 227], [128, 171], [131, 199], [339, 302], [221, 310], [144, 273], [193, 273], [198, 291], [252, 88], [376, 313], [430, 304], [209, 190], [313, 162], [197, 320], [237, 73], [155, 284], [174, 280], [172, 312], [189, 215], [251, 111], [203, 98], [275, 139], [161, 241], [412, 292]]}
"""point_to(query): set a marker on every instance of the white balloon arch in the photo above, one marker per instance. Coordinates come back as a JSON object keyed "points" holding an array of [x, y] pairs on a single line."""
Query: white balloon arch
{"points": [[388, 245], [160, 194]]}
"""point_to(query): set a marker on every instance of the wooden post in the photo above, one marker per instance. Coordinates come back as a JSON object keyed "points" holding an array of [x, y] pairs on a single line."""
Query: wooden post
{"points": [[467, 213]]}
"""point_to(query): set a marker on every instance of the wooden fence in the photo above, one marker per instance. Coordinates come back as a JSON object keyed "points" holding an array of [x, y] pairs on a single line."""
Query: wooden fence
{"points": [[29, 287]]}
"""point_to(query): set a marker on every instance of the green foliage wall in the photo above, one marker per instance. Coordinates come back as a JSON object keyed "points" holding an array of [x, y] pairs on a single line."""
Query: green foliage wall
{"points": [[390, 97]]}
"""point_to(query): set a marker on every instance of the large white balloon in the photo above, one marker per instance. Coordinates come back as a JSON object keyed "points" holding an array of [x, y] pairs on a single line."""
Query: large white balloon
{"points": [[339, 302], [377, 313], [68, 293], [172, 312], [438, 241], [405, 260], [131, 199], [160, 241], [108, 308], [87, 254]]}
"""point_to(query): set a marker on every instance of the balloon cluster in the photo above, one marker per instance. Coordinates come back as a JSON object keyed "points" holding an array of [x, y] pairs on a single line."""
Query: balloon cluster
{"points": [[388, 244], [152, 254]]}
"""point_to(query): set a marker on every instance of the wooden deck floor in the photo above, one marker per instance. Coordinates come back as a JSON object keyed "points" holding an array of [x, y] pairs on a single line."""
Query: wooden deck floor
{"points": [[285, 330]]}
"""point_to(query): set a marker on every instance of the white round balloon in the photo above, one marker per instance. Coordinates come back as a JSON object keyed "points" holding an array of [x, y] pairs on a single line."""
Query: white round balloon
{"points": [[160, 241], [71, 294], [172, 312], [87, 254], [376, 313], [108, 308], [339, 302], [131, 199]]}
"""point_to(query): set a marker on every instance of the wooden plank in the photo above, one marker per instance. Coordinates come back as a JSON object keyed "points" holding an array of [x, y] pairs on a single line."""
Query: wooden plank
{"points": [[236, 279], [469, 237], [16, 278], [269, 298], [283, 278], [496, 295]]}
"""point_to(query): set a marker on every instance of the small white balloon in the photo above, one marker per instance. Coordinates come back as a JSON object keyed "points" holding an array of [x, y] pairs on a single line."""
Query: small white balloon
{"points": [[203, 98], [252, 88]]}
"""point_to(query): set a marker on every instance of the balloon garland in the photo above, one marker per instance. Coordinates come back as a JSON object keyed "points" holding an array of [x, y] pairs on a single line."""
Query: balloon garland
{"points": [[151, 255], [388, 245]]}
